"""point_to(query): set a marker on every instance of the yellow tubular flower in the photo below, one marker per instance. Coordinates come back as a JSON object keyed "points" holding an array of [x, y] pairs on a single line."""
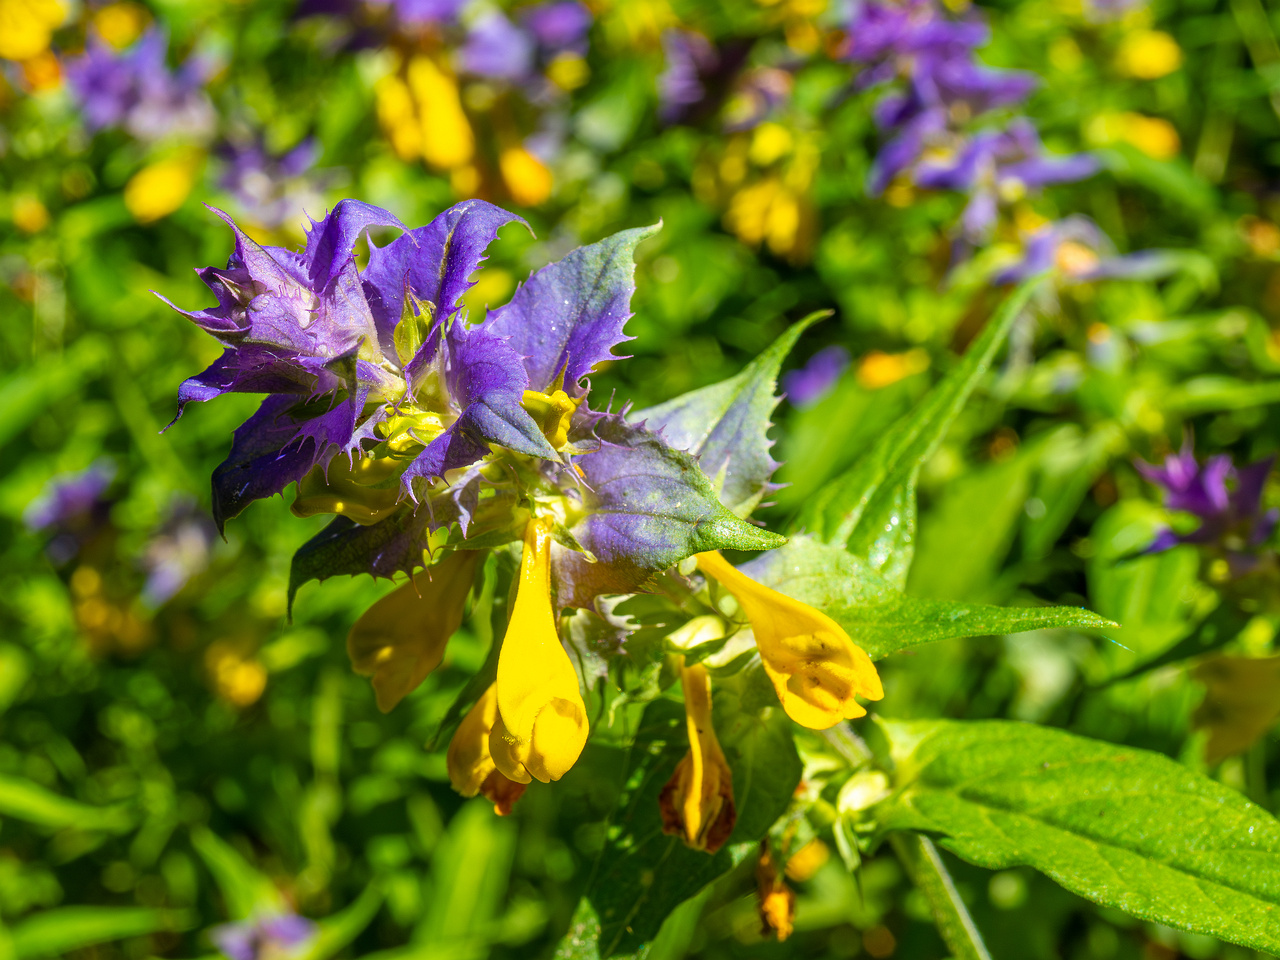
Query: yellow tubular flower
{"points": [[815, 668], [541, 725], [401, 638], [470, 765], [697, 802]]}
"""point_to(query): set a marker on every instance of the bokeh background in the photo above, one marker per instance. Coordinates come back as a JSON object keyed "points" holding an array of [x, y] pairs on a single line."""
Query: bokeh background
{"points": [[175, 753]]}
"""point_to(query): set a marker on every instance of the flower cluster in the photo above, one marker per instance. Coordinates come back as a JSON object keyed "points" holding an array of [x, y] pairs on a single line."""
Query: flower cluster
{"points": [[1226, 499], [942, 90], [436, 441]]}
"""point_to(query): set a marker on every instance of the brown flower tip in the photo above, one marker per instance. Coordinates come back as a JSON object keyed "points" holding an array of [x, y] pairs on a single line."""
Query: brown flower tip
{"points": [[503, 792]]}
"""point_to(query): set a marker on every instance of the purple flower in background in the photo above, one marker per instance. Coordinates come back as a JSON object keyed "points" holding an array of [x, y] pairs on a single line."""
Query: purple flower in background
{"points": [[496, 48], [689, 56], [71, 510], [759, 92], [558, 25], [271, 190], [1226, 499], [813, 381], [422, 12], [1082, 253], [176, 552], [999, 165], [1101, 10], [136, 90], [265, 938]]}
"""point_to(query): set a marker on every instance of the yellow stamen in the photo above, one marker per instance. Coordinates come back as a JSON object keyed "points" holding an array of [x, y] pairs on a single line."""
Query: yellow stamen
{"points": [[814, 666], [541, 725]]}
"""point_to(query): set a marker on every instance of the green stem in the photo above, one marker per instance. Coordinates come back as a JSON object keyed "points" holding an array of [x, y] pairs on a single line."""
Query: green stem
{"points": [[931, 877], [1255, 28]]}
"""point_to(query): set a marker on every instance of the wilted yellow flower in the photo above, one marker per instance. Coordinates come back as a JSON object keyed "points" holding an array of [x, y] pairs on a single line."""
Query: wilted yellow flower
{"points": [[1148, 54], [447, 140], [26, 26], [471, 767], [528, 180], [402, 637], [29, 214], [815, 668], [160, 188], [541, 725], [119, 24], [697, 802], [878, 369], [777, 901]]}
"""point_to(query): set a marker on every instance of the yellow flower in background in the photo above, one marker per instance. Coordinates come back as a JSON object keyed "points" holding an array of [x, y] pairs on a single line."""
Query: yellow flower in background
{"points": [[398, 117], [1148, 55], [878, 369], [1154, 136], [776, 901], [637, 24], [160, 188], [815, 668], [447, 140], [697, 802], [528, 180], [238, 678], [42, 72], [541, 725], [400, 639], [771, 212], [470, 765], [26, 26], [119, 24], [568, 71], [769, 142], [29, 214]]}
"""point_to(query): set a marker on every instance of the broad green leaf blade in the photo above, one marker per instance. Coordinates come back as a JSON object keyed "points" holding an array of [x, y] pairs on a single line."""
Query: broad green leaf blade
{"points": [[58, 932], [726, 425], [931, 877], [880, 619], [1123, 827], [642, 874], [852, 508], [24, 800], [245, 891]]}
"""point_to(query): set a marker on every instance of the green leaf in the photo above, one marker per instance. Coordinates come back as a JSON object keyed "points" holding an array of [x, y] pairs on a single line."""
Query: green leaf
{"points": [[58, 932], [245, 891], [335, 932], [855, 507], [882, 620], [1123, 827], [726, 425], [1211, 394], [28, 801], [642, 874]]}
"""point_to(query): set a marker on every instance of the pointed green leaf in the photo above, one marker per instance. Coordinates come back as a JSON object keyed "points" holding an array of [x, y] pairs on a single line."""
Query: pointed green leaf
{"points": [[1124, 827], [245, 891], [726, 425], [853, 508], [24, 800], [882, 620]]}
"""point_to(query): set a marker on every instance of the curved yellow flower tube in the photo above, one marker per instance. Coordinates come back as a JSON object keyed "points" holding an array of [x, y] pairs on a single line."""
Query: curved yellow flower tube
{"points": [[815, 668], [697, 802], [541, 725], [471, 767]]}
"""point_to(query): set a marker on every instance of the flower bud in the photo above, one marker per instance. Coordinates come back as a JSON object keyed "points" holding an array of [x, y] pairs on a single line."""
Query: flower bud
{"points": [[697, 802], [470, 765], [401, 638], [814, 666], [541, 725]]}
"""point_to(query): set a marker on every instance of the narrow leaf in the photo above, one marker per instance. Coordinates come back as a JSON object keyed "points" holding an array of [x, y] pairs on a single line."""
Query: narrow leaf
{"points": [[24, 800], [1123, 827], [855, 504], [245, 891], [58, 932], [882, 620]]}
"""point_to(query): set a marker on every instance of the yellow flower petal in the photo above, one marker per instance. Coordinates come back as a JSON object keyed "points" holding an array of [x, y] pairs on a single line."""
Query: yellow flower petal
{"points": [[528, 180], [471, 767], [26, 26], [697, 802], [159, 189], [447, 140], [814, 666], [401, 638], [541, 726]]}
